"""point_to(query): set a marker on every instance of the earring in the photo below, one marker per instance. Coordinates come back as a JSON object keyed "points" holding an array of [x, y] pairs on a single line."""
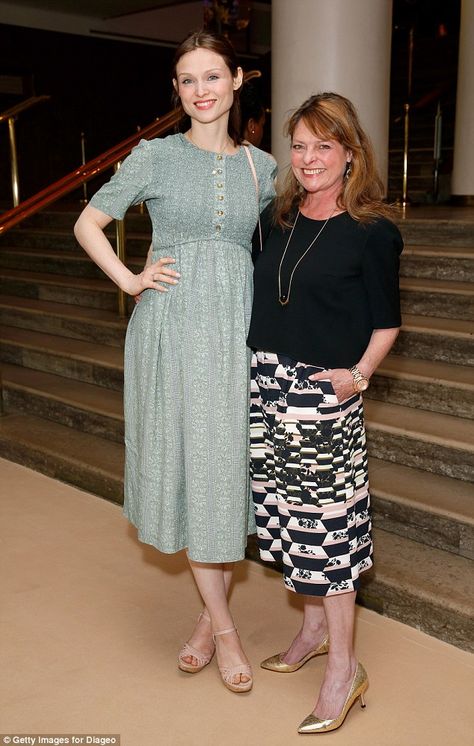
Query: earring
{"points": [[348, 170], [252, 131]]}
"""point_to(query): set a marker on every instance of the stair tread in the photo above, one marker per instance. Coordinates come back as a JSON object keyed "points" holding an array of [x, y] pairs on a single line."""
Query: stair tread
{"points": [[84, 396], [83, 283], [73, 256], [437, 325], [428, 371], [54, 308], [76, 348], [445, 496], [50, 438], [431, 285], [431, 574], [433, 427], [453, 252]]}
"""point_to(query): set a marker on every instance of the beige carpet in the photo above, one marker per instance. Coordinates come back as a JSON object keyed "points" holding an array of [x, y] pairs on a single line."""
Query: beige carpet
{"points": [[92, 621]]}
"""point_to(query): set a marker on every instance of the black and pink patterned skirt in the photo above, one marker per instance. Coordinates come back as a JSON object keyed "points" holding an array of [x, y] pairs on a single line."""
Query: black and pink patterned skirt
{"points": [[309, 477]]}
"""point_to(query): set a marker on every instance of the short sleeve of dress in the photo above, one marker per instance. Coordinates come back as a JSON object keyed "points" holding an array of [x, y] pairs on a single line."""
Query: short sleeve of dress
{"points": [[128, 186], [381, 262]]}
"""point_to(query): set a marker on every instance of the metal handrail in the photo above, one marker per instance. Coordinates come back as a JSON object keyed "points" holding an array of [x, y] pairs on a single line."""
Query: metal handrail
{"points": [[10, 116], [84, 173], [22, 106]]}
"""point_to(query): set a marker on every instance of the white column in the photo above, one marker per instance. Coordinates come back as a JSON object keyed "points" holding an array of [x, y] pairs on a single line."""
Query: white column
{"points": [[332, 45], [463, 166]]}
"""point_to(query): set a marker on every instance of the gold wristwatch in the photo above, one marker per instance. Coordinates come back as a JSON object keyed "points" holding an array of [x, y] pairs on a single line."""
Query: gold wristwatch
{"points": [[360, 382]]}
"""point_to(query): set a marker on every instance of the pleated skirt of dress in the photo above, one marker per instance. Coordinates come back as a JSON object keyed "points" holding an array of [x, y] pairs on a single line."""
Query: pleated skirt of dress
{"points": [[309, 477]]}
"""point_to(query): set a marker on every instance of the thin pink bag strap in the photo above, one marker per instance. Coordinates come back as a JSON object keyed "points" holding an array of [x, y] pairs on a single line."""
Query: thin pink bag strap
{"points": [[254, 174]]}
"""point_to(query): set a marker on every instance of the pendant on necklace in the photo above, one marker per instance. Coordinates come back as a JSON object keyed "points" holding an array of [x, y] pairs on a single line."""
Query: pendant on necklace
{"points": [[283, 300]]}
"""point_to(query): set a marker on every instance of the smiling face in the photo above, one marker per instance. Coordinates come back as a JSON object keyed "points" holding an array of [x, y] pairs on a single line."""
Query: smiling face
{"points": [[205, 85], [319, 165]]}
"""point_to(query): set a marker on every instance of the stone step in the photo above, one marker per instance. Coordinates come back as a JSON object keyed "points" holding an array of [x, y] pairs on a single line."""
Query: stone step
{"points": [[85, 292], [438, 262], [51, 261], [58, 240], [81, 459], [63, 319], [63, 220], [438, 443], [434, 338], [63, 263], [422, 586], [434, 510], [440, 229], [424, 384], [82, 406], [443, 298], [100, 365]]}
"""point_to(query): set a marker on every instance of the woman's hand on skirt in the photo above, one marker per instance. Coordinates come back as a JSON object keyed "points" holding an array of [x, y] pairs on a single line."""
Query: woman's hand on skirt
{"points": [[341, 380], [152, 277]]}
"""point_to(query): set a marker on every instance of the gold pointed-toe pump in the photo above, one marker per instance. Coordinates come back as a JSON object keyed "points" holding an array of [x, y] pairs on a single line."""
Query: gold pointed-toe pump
{"points": [[275, 662], [189, 651], [360, 682]]}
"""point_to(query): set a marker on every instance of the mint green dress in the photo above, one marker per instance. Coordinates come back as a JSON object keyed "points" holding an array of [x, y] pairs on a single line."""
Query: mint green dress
{"points": [[186, 360]]}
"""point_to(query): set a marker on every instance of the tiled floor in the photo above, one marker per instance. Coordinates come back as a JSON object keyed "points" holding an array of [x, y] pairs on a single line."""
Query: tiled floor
{"points": [[92, 621]]}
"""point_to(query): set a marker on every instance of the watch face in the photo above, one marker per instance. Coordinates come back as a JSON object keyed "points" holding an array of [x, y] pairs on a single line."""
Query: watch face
{"points": [[362, 385]]}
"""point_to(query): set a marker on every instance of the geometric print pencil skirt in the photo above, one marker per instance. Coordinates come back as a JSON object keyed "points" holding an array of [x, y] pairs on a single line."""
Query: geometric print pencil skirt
{"points": [[309, 477]]}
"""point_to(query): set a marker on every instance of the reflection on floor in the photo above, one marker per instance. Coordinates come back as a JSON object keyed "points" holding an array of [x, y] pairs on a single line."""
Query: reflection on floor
{"points": [[92, 621]]}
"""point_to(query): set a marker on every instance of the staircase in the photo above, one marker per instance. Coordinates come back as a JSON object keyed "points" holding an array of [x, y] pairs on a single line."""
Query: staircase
{"points": [[61, 355]]}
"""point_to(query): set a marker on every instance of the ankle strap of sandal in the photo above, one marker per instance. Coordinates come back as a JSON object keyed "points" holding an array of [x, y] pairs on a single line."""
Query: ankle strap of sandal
{"points": [[224, 632]]}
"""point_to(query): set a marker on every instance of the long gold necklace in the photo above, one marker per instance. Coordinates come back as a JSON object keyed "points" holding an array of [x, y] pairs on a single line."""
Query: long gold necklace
{"points": [[221, 153], [284, 298]]}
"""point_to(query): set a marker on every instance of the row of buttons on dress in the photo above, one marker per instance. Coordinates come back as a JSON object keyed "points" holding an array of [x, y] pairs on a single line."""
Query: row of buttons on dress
{"points": [[219, 185]]}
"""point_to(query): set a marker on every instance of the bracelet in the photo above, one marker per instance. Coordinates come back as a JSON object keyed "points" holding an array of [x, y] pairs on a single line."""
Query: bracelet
{"points": [[359, 381]]}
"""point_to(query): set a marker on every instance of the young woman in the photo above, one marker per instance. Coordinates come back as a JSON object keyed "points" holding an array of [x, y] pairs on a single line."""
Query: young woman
{"points": [[186, 360]]}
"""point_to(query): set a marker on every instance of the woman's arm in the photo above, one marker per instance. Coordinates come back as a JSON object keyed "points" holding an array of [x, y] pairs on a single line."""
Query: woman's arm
{"points": [[379, 346], [89, 231]]}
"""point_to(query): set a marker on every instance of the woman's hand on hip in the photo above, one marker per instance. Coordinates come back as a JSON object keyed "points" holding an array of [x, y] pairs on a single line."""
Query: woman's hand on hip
{"points": [[153, 275], [341, 380]]}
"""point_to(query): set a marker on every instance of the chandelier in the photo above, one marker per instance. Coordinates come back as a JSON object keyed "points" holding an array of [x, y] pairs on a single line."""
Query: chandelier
{"points": [[226, 16]]}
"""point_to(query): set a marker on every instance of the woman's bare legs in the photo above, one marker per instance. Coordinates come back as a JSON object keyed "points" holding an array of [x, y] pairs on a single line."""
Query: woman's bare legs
{"points": [[213, 582], [341, 663], [313, 630]]}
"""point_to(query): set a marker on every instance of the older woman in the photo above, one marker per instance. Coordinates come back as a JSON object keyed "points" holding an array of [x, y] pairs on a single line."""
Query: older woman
{"points": [[326, 312]]}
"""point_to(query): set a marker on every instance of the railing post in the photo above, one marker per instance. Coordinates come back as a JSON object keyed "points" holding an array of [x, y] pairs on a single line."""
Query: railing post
{"points": [[120, 249], [437, 150], [404, 199], [406, 134], [84, 199], [14, 162], [2, 408]]}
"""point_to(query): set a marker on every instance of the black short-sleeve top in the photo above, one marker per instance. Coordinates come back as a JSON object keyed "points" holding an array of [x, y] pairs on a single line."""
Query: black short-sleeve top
{"points": [[345, 287]]}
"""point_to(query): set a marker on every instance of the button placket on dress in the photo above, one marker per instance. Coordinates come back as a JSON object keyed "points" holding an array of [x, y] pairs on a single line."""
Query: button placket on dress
{"points": [[218, 173]]}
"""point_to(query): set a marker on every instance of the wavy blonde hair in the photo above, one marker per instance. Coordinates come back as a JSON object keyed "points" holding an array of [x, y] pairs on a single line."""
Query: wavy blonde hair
{"points": [[332, 117]]}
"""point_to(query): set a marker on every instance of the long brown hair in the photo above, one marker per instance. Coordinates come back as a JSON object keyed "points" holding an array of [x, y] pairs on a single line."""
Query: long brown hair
{"points": [[333, 117], [220, 45]]}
